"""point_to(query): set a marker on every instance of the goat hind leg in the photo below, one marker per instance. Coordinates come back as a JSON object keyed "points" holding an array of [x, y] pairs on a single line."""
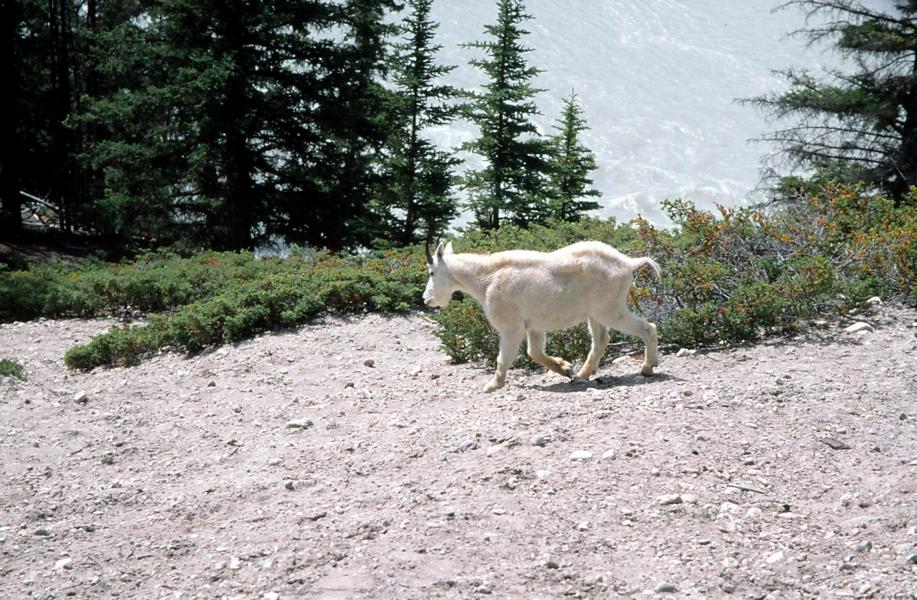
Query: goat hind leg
{"points": [[633, 325], [599, 343]]}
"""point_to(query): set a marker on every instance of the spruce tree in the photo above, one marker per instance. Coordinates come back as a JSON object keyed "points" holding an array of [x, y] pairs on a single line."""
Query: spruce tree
{"points": [[512, 182], [570, 165], [416, 201], [862, 124]]}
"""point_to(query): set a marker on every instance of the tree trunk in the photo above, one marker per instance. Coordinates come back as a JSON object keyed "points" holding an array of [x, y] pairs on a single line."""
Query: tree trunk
{"points": [[10, 201]]}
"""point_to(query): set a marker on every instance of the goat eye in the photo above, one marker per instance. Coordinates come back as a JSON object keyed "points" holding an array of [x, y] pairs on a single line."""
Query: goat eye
{"points": [[430, 271]]}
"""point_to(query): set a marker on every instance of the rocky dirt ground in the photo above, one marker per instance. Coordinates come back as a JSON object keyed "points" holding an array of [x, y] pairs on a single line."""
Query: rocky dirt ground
{"points": [[349, 459]]}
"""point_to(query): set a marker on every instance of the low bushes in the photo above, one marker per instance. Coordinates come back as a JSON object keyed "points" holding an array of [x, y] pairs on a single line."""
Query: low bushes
{"points": [[285, 294], [11, 368], [734, 276]]}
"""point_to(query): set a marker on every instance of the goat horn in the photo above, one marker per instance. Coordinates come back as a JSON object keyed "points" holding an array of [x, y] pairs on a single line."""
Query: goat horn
{"points": [[426, 250]]}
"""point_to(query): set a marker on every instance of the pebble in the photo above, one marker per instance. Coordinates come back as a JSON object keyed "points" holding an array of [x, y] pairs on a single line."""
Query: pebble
{"points": [[753, 513], [864, 546], [64, 563], [494, 450], [581, 455], [774, 558], [235, 563], [667, 499], [81, 397], [874, 301], [609, 455], [685, 352], [467, 445], [539, 440], [541, 474], [299, 424], [858, 327], [911, 559], [369, 362], [583, 526], [270, 596], [288, 484], [664, 587]]}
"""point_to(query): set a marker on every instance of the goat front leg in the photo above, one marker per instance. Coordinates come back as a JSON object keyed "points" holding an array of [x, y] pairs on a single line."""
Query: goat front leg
{"points": [[509, 347]]}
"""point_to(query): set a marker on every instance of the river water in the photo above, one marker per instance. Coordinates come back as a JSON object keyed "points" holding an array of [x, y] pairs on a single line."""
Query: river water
{"points": [[658, 80]]}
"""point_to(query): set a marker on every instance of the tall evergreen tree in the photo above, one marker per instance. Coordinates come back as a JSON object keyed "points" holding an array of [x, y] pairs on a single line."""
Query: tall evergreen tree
{"points": [[512, 182], [352, 118], [570, 165], [10, 149], [864, 123], [416, 199]]}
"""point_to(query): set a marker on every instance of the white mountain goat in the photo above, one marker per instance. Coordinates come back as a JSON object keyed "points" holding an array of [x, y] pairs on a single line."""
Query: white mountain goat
{"points": [[525, 293]]}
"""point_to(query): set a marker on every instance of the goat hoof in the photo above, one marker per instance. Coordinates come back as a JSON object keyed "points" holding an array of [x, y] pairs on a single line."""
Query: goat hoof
{"points": [[492, 386], [647, 371]]}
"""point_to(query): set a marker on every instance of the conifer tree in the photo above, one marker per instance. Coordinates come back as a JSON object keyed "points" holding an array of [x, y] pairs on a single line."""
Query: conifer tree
{"points": [[416, 200], [569, 166], [512, 182], [863, 124]]}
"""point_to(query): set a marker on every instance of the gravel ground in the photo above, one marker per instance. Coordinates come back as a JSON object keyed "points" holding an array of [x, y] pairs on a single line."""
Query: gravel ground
{"points": [[349, 459]]}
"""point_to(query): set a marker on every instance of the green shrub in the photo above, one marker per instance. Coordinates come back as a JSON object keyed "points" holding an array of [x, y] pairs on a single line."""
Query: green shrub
{"points": [[734, 276], [286, 296], [11, 368]]}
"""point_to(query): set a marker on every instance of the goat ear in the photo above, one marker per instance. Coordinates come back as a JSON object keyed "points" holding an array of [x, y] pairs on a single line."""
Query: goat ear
{"points": [[440, 249], [449, 248]]}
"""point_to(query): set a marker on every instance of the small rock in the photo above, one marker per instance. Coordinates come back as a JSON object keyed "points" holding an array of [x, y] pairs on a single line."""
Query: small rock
{"points": [[300, 424], [874, 301], [664, 587], [835, 444], [540, 440], [416, 371], [42, 532], [583, 526], [212, 384], [753, 513], [582, 455], [289, 484], [858, 327], [609, 455], [730, 563], [667, 499], [864, 546], [687, 393], [550, 564], [775, 557], [494, 450], [64, 563], [234, 563], [270, 596], [369, 362], [81, 397], [541, 474], [911, 559], [685, 352], [467, 445]]}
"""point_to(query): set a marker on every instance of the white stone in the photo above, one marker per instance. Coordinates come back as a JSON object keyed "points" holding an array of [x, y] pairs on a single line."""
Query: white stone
{"points": [[81, 397], [494, 450], [581, 455], [64, 563], [874, 301], [609, 455], [858, 327], [299, 424], [667, 499], [753, 513], [775, 557]]}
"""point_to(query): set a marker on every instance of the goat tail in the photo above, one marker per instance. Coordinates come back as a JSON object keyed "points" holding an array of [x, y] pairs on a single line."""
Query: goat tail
{"points": [[636, 263]]}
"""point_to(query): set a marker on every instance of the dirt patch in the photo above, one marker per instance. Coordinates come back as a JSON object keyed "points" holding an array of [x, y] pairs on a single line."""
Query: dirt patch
{"points": [[348, 459]]}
